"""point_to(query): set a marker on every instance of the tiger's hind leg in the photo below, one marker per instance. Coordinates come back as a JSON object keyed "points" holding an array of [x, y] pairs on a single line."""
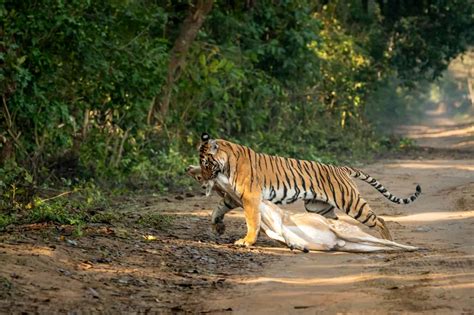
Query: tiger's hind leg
{"points": [[321, 208], [362, 212]]}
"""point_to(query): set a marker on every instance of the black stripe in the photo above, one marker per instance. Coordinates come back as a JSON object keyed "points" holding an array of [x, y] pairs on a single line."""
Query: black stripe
{"points": [[340, 179], [286, 181], [273, 160], [357, 203], [272, 193], [310, 179], [239, 152], [359, 213], [332, 171], [331, 187], [319, 179], [327, 211], [326, 181], [265, 160], [251, 166], [299, 169], [368, 218], [351, 200], [232, 149], [297, 191]]}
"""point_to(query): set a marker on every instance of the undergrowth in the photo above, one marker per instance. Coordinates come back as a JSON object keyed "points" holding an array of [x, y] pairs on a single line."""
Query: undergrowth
{"points": [[155, 220]]}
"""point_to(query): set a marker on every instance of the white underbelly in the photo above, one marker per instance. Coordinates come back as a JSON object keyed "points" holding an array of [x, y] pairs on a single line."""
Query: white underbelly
{"points": [[283, 196]]}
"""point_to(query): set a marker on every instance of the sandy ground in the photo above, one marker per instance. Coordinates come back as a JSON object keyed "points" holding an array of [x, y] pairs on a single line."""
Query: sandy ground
{"points": [[128, 267], [439, 279]]}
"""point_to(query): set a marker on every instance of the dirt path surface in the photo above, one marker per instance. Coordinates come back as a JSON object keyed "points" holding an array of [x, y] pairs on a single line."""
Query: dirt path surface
{"points": [[160, 255], [439, 279]]}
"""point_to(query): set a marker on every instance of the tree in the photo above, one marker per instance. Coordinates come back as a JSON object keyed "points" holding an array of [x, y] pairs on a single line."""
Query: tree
{"points": [[188, 32]]}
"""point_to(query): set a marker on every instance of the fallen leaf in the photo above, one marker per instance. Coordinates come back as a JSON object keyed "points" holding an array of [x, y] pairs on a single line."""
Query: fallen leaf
{"points": [[149, 238]]}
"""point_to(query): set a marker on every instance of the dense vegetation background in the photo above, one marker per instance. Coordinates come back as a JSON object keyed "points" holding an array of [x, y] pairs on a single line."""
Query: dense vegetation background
{"points": [[118, 91]]}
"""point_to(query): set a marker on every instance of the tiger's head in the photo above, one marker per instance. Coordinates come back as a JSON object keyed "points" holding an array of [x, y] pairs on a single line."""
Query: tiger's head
{"points": [[212, 158]]}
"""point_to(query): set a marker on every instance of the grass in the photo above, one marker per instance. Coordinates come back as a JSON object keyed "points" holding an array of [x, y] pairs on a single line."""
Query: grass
{"points": [[155, 220], [6, 220], [106, 217], [5, 287]]}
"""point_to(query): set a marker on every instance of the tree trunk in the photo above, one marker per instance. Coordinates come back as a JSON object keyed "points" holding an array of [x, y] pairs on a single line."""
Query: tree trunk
{"points": [[365, 6], [188, 32]]}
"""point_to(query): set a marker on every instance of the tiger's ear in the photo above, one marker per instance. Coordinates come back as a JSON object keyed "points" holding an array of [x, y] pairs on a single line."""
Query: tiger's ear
{"points": [[205, 137], [213, 147]]}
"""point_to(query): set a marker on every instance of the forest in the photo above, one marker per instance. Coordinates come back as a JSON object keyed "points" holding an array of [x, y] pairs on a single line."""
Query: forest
{"points": [[103, 104], [104, 97]]}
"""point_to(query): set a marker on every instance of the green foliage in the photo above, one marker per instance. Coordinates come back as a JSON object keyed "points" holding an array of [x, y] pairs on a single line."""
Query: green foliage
{"points": [[156, 220], [424, 43], [394, 103], [16, 187], [6, 220], [80, 80], [73, 81], [107, 217], [5, 287], [56, 212], [21, 201]]}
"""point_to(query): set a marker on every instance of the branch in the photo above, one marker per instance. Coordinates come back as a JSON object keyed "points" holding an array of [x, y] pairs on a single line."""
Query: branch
{"points": [[188, 32]]}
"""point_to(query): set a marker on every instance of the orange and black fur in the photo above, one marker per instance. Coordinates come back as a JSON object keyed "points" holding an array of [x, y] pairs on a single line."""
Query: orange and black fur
{"points": [[256, 176]]}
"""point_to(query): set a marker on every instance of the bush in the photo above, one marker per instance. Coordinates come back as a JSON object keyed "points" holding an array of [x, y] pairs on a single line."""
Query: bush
{"points": [[81, 84]]}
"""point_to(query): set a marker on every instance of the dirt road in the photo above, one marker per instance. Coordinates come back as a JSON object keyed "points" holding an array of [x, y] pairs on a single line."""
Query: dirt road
{"points": [[159, 255], [439, 279]]}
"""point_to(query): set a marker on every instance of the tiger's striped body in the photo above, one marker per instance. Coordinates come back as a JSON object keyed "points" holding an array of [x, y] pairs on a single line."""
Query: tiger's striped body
{"points": [[256, 176]]}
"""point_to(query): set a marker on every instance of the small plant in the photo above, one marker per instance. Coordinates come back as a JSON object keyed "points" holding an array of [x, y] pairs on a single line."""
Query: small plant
{"points": [[61, 211], [406, 143], [156, 220], [6, 220], [5, 286], [16, 187], [107, 217]]}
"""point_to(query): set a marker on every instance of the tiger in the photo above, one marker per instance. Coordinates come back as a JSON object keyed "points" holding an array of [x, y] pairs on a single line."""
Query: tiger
{"points": [[226, 204], [323, 188]]}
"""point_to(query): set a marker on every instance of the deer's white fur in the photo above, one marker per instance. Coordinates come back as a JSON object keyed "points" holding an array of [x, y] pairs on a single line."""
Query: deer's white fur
{"points": [[310, 231]]}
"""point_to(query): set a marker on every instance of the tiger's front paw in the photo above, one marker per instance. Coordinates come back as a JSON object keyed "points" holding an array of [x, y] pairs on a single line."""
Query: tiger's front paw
{"points": [[244, 242]]}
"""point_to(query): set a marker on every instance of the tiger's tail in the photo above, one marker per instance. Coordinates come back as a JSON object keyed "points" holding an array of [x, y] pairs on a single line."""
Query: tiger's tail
{"points": [[356, 173]]}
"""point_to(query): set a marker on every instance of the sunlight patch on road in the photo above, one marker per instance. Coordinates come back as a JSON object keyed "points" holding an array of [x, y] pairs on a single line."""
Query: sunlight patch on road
{"points": [[432, 216], [351, 279], [433, 133], [425, 165], [27, 251]]}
